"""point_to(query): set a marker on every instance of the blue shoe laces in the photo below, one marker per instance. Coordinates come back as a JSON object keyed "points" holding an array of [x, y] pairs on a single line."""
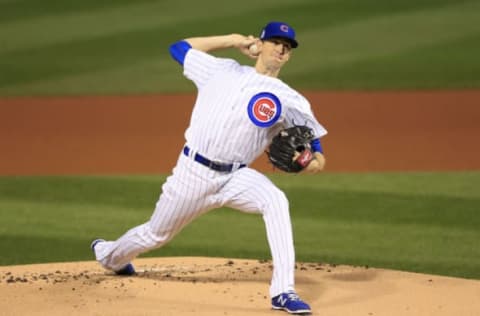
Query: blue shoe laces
{"points": [[293, 296]]}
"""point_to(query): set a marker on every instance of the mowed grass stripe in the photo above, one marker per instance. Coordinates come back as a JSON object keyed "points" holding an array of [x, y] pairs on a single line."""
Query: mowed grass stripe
{"points": [[148, 75], [62, 219], [446, 65], [18, 10], [387, 208], [411, 247], [120, 17], [426, 222], [123, 48], [55, 63], [464, 184], [138, 191], [384, 36]]}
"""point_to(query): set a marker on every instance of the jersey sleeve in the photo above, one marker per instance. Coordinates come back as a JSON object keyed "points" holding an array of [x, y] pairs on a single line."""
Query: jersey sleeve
{"points": [[299, 112], [200, 67], [178, 50]]}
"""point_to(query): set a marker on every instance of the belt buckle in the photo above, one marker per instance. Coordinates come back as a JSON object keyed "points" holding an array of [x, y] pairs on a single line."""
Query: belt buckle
{"points": [[235, 166], [218, 166]]}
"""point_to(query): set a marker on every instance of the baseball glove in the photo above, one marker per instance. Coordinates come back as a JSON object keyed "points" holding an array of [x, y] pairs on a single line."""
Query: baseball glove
{"points": [[290, 149]]}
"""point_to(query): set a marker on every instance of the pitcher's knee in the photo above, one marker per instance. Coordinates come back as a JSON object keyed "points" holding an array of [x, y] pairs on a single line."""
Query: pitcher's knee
{"points": [[276, 202], [157, 237], [282, 199]]}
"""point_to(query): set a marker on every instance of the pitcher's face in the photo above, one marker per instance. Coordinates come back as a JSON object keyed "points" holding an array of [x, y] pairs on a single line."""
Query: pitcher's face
{"points": [[276, 52]]}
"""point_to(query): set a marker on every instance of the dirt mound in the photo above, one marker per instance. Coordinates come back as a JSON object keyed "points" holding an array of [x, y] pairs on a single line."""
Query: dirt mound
{"points": [[217, 286]]}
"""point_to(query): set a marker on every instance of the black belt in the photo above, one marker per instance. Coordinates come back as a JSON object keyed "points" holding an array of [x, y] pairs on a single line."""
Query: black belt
{"points": [[222, 167]]}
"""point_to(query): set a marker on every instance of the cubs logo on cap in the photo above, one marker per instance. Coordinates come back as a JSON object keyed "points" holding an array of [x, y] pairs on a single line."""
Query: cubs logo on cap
{"points": [[264, 109], [281, 30]]}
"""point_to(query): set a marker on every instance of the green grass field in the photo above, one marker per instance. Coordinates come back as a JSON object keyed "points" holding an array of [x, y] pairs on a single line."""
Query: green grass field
{"points": [[121, 47], [425, 222]]}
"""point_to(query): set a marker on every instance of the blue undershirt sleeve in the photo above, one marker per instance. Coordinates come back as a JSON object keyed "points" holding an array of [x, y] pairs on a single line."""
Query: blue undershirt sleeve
{"points": [[316, 145], [178, 50]]}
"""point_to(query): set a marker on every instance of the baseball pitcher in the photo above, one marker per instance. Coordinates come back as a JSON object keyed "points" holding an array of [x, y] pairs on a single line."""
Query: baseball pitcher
{"points": [[240, 112]]}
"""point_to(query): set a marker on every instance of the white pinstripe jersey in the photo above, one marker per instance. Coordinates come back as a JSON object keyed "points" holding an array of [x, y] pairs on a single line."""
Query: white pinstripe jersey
{"points": [[221, 127]]}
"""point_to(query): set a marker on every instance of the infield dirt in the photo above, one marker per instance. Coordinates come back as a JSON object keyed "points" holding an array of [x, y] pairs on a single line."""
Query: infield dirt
{"points": [[216, 286], [368, 131]]}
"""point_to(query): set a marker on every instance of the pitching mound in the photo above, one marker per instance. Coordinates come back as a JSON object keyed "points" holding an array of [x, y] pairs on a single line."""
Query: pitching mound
{"points": [[215, 286]]}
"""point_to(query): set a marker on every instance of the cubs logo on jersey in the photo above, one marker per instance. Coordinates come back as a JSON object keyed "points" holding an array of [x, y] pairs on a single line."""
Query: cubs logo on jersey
{"points": [[264, 109]]}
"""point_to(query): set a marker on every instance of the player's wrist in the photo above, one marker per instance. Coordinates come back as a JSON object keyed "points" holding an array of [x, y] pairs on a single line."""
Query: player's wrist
{"points": [[236, 40], [313, 167], [320, 160]]}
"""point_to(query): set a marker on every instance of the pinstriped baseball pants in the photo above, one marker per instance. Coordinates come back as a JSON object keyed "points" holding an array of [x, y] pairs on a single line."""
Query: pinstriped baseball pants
{"points": [[194, 189]]}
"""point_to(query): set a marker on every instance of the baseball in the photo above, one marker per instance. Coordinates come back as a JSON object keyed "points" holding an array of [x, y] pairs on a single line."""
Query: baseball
{"points": [[253, 49]]}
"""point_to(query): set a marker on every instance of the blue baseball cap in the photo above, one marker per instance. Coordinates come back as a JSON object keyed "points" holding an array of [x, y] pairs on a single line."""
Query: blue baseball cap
{"points": [[279, 30]]}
